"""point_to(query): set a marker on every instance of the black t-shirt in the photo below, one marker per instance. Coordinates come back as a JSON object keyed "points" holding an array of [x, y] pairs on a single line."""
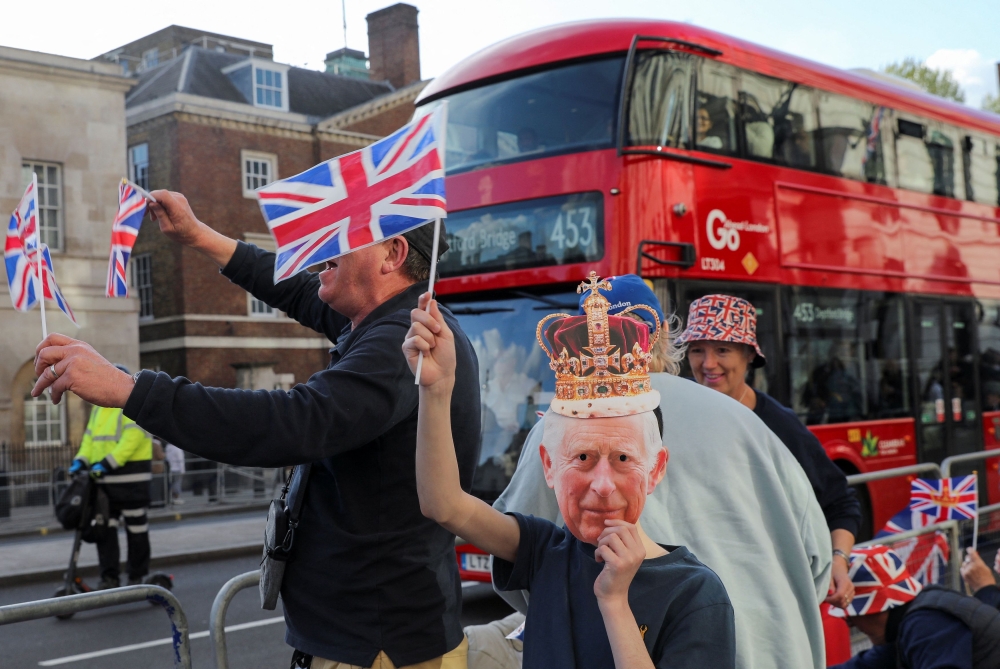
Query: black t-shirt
{"points": [[840, 506], [680, 602]]}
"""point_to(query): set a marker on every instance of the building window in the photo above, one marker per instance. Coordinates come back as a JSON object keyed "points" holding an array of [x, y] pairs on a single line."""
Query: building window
{"points": [[49, 200], [138, 165], [150, 58], [44, 422], [260, 309], [259, 169], [268, 89], [142, 282]]}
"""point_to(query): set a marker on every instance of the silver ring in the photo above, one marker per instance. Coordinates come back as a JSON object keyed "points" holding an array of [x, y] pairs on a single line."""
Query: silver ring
{"points": [[52, 368]]}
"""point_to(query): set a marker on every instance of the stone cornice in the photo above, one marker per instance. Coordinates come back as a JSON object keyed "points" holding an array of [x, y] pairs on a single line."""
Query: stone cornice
{"points": [[372, 108], [35, 64], [221, 113]]}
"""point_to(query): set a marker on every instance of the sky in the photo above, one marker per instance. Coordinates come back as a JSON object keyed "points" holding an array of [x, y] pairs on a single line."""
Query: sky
{"points": [[959, 35]]}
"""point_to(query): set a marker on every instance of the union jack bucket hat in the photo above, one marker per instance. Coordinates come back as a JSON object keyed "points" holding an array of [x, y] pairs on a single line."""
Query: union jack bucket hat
{"points": [[723, 318], [881, 582]]}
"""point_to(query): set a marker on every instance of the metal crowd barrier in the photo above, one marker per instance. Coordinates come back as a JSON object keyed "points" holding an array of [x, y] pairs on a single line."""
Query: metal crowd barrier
{"points": [[923, 468], [967, 457], [217, 629], [154, 594]]}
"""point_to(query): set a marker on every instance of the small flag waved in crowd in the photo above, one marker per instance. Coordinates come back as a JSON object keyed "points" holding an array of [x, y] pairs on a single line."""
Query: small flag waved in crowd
{"points": [[945, 499], [132, 202], [22, 251], [926, 556], [358, 199]]}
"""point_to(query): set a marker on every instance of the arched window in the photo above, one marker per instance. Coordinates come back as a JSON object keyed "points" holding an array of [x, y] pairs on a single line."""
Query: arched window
{"points": [[44, 422]]}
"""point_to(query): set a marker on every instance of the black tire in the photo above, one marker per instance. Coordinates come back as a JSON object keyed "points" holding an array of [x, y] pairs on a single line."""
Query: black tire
{"points": [[160, 579], [62, 592]]}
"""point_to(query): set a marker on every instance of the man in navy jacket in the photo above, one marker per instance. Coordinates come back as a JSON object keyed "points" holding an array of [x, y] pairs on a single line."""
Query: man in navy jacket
{"points": [[369, 574]]}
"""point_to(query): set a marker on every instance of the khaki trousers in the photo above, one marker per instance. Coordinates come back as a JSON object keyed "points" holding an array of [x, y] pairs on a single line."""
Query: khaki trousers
{"points": [[454, 659]]}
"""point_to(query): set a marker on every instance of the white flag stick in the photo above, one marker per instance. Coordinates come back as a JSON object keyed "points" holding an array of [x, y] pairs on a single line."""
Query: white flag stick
{"points": [[975, 520], [38, 249], [141, 191], [430, 288]]}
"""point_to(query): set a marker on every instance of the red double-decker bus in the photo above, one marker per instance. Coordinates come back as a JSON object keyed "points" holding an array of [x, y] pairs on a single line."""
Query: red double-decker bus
{"points": [[859, 216]]}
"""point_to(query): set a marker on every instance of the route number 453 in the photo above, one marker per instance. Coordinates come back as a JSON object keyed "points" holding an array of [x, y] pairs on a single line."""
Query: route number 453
{"points": [[573, 228]]}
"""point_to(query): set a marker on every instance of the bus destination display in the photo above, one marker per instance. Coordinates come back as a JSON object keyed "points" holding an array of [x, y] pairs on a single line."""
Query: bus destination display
{"points": [[535, 233]]}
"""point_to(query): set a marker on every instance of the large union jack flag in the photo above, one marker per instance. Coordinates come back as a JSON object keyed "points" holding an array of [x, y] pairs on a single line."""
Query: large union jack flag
{"points": [[358, 199], [124, 230], [945, 499], [926, 556], [22, 253]]}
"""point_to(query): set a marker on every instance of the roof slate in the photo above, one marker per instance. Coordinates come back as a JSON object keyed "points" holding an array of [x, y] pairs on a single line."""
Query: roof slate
{"points": [[312, 93]]}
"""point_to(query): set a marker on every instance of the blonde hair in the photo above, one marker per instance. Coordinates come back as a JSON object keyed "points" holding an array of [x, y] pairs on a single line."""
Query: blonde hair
{"points": [[667, 355]]}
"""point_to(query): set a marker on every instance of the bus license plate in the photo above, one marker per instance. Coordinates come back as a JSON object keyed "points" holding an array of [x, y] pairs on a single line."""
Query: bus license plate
{"points": [[475, 562]]}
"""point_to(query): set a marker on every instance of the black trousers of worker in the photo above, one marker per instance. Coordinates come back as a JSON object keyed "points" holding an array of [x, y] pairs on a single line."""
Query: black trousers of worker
{"points": [[137, 539]]}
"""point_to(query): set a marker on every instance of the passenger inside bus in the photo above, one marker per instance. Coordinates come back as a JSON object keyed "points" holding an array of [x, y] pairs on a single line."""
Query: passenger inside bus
{"points": [[714, 120], [704, 126]]}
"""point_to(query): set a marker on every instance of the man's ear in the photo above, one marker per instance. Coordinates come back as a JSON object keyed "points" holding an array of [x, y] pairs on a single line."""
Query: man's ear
{"points": [[658, 470], [547, 466], [396, 250]]}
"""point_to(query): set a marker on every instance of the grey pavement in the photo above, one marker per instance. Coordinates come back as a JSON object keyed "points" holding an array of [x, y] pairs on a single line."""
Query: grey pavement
{"points": [[22, 560]]}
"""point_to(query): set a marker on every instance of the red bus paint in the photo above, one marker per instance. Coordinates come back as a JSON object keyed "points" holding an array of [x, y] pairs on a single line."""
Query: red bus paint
{"points": [[754, 224]]}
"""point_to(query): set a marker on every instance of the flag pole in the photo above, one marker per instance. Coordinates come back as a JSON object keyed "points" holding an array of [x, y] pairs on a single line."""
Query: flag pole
{"points": [[38, 249], [430, 288], [975, 520]]}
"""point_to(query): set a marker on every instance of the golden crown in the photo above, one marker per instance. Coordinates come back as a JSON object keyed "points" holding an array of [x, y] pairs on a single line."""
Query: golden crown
{"points": [[601, 362]]}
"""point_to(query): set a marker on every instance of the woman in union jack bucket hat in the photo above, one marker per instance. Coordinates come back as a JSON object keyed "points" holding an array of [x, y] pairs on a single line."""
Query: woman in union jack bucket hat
{"points": [[919, 628], [721, 339]]}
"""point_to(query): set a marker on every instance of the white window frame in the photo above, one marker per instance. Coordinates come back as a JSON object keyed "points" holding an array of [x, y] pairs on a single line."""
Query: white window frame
{"points": [[274, 68], [30, 407], [257, 308], [142, 282], [150, 58], [135, 167], [247, 176], [46, 190]]}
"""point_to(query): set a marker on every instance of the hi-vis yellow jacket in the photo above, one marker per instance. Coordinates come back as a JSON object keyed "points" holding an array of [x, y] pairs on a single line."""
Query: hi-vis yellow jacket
{"points": [[125, 445]]}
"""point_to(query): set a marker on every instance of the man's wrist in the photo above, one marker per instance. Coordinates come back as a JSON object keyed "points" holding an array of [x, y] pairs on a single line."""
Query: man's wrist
{"points": [[614, 605]]}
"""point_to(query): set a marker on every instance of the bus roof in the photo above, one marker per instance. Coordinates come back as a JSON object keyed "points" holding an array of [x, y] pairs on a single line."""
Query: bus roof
{"points": [[582, 39]]}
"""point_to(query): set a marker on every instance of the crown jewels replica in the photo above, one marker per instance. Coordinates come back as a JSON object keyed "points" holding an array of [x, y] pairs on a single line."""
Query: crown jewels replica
{"points": [[601, 362]]}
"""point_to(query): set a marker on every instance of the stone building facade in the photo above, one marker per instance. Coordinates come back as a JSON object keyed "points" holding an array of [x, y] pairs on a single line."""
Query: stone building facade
{"points": [[201, 124], [63, 118]]}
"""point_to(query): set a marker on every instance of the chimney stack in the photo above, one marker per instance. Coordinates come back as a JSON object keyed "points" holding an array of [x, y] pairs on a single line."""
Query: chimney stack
{"points": [[393, 45]]}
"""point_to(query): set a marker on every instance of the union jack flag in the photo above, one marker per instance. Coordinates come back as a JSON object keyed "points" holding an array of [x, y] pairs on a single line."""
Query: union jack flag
{"points": [[22, 239], [51, 288], [358, 199], [926, 556], [124, 230], [945, 499]]}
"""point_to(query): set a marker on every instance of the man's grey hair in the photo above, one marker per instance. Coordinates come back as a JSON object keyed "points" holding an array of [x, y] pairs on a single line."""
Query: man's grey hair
{"points": [[556, 425]]}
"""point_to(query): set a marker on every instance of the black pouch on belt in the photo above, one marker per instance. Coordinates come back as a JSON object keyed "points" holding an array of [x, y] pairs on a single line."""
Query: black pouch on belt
{"points": [[279, 535]]}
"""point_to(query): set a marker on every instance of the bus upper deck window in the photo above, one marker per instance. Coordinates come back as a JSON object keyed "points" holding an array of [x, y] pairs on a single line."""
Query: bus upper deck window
{"points": [[659, 109], [715, 120], [779, 120], [851, 132], [980, 162]]}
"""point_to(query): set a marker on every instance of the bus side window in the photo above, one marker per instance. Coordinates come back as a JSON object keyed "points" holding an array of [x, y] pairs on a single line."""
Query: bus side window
{"points": [[979, 160], [659, 112], [715, 111], [778, 120], [942, 143], [851, 132], [925, 155], [846, 355], [989, 354]]}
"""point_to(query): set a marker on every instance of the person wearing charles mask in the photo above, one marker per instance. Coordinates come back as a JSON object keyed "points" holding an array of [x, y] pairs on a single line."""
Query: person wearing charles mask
{"points": [[733, 494], [605, 594]]}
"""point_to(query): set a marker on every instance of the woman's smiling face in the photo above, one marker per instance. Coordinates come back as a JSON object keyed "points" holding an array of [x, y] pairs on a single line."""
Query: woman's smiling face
{"points": [[720, 365]]}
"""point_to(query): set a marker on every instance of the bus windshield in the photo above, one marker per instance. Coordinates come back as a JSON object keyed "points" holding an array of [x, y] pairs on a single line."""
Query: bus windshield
{"points": [[514, 376], [565, 109]]}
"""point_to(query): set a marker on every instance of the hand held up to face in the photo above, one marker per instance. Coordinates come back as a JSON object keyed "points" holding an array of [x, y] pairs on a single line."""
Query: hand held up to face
{"points": [[430, 335], [620, 549], [63, 363]]}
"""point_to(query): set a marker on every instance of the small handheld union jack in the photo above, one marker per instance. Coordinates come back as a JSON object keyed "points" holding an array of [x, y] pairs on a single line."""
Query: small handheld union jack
{"points": [[358, 199], [22, 254], [132, 202], [945, 499]]}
